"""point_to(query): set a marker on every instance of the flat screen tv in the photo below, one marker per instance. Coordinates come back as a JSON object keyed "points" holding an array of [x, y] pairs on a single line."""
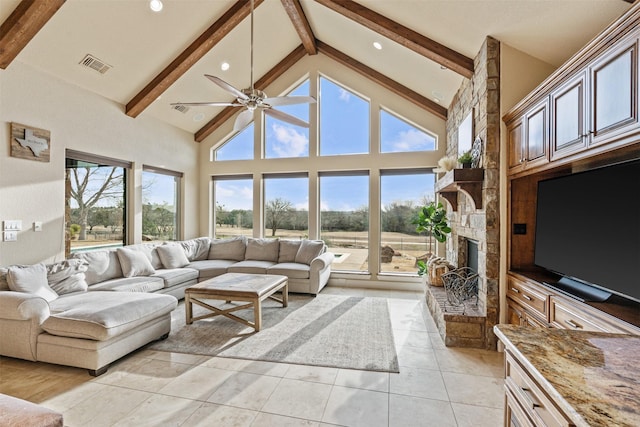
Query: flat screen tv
{"points": [[588, 231]]}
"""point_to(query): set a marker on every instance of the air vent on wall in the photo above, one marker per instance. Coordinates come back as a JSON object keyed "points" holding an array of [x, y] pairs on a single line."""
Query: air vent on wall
{"points": [[182, 108], [95, 64]]}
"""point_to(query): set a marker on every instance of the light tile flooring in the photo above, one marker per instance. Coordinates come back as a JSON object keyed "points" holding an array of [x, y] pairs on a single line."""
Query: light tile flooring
{"points": [[436, 386]]}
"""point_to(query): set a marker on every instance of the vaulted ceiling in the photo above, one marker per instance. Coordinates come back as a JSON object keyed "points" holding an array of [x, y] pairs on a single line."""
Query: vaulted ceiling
{"points": [[160, 58]]}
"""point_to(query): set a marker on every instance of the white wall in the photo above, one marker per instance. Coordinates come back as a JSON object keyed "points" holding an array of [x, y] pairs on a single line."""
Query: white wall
{"points": [[520, 73], [79, 120]]}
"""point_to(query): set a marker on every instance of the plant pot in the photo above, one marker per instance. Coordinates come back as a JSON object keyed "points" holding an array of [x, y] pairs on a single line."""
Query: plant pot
{"points": [[466, 166]]}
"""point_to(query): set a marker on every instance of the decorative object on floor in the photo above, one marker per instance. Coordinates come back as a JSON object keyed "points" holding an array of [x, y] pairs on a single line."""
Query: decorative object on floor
{"points": [[328, 330], [461, 285], [436, 267], [30, 143], [476, 152], [432, 219]]}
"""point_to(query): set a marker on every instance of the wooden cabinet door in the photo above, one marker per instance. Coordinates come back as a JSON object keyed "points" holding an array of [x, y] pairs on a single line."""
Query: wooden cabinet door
{"points": [[614, 93], [515, 141], [536, 133], [568, 133]]}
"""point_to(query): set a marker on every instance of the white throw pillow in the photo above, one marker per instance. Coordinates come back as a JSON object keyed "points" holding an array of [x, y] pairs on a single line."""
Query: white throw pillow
{"points": [[196, 249], [309, 249], [134, 263], [172, 256], [232, 249], [288, 250], [31, 279], [68, 276], [262, 249]]}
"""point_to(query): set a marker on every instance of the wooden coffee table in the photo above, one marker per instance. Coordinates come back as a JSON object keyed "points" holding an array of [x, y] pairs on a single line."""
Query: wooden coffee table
{"points": [[250, 288]]}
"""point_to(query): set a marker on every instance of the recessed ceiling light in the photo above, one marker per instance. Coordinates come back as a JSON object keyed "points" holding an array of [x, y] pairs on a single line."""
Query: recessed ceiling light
{"points": [[224, 66], [377, 45], [155, 5], [198, 117]]}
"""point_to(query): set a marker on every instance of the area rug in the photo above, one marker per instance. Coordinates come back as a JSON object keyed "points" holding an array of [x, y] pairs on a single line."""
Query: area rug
{"points": [[328, 330]]}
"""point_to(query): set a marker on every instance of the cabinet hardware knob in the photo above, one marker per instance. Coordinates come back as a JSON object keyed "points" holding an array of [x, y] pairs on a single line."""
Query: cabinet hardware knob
{"points": [[527, 297], [573, 324], [515, 290]]}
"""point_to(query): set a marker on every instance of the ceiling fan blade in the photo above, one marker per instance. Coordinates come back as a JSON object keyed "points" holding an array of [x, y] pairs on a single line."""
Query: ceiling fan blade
{"points": [[243, 120], [289, 100], [286, 117], [207, 104], [226, 86]]}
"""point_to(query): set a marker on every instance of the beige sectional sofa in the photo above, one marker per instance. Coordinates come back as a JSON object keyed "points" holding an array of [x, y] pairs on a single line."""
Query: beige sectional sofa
{"points": [[98, 306]]}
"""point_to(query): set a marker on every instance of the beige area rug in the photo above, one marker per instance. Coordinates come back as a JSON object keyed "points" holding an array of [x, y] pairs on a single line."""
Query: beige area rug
{"points": [[328, 330]]}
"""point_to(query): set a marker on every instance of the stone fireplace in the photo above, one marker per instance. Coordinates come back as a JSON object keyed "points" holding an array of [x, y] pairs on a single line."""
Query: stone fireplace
{"points": [[474, 240]]}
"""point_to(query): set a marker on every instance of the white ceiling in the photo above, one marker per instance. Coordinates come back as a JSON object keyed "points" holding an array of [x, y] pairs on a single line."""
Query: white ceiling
{"points": [[139, 43]]}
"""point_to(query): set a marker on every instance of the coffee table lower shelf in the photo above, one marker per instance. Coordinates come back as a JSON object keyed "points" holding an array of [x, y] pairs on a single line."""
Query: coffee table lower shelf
{"points": [[249, 288]]}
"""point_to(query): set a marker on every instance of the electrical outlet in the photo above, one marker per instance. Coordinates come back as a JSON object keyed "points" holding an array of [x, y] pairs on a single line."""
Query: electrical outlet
{"points": [[519, 228], [10, 236], [37, 226]]}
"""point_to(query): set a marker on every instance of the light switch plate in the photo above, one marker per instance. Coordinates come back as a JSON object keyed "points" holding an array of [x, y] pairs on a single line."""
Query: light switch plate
{"points": [[12, 225], [10, 236]]}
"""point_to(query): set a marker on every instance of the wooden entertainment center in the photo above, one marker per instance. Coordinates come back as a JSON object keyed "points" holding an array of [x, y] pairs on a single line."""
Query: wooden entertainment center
{"points": [[584, 116]]}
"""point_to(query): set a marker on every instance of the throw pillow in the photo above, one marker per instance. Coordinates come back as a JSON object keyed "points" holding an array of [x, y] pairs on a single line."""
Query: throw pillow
{"points": [[172, 256], [309, 249], [31, 279], [262, 249], [288, 250], [196, 249], [134, 263], [231, 249], [67, 276], [4, 285], [103, 265]]}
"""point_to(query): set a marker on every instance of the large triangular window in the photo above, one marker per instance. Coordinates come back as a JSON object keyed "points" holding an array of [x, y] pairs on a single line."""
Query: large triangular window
{"points": [[399, 136], [238, 147], [344, 120], [284, 139]]}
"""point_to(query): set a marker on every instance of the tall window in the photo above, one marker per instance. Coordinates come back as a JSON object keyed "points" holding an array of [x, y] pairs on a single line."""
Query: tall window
{"points": [[344, 218], [160, 204], [283, 139], [402, 193], [233, 200], [96, 202], [286, 206], [344, 120], [239, 147], [397, 135]]}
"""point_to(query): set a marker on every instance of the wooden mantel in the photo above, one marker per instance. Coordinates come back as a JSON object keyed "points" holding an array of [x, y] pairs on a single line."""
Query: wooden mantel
{"points": [[468, 181]]}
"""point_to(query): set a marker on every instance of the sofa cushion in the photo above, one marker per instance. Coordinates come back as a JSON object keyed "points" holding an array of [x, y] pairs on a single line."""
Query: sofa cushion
{"points": [[262, 249], [309, 249], [31, 279], [196, 249], [172, 255], [134, 263], [4, 285], [233, 248], [67, 276], [290, 269], [150, 250], [250, 267], [130, 284], [211, 267], [176, 276], [288, 250], [104, 315], [103, 265]]}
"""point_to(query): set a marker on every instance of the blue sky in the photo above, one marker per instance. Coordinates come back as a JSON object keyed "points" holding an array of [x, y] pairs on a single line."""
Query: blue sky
{"points": [[344, 129]]}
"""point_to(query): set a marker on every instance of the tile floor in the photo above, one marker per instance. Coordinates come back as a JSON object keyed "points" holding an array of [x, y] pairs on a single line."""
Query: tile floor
{"points": [[436, 386]]}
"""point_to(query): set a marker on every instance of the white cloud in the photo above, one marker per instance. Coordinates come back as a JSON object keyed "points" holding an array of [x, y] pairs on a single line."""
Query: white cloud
{"points": [[412, 140], [234, 196], [290, 142], [345, 95]]}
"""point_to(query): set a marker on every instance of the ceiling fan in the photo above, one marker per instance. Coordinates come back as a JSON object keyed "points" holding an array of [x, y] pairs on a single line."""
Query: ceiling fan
{"points": [[252, 99]]}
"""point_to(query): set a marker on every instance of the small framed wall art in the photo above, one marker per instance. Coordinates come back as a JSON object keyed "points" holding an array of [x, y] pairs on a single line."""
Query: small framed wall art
{"points": [[30, 143]]}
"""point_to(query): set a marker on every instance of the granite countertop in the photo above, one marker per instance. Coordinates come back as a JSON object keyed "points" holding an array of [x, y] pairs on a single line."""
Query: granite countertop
{"points": [[594, 377]]}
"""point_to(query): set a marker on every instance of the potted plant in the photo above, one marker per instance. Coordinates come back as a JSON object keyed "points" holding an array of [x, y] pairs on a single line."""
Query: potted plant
{"points": [[465, 159], [432, 219]]}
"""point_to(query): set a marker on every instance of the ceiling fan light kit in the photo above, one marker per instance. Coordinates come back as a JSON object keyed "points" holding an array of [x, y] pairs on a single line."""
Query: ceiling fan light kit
{"points": [[252, 99]]}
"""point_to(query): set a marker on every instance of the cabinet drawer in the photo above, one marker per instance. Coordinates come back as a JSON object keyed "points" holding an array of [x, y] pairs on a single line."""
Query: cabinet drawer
{"points": [[528, 297], [530, 398], [566, 317]]}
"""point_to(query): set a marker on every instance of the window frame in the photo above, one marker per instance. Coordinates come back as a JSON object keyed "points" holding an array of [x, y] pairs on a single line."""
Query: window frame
{"points": [[178, 231]]}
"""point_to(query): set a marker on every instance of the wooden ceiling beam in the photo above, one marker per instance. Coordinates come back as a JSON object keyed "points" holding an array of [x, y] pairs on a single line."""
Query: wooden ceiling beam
{"points": [[402, 35], [301, 24], [22, 25], [262, 83], [384, 81], [192, 54]]}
